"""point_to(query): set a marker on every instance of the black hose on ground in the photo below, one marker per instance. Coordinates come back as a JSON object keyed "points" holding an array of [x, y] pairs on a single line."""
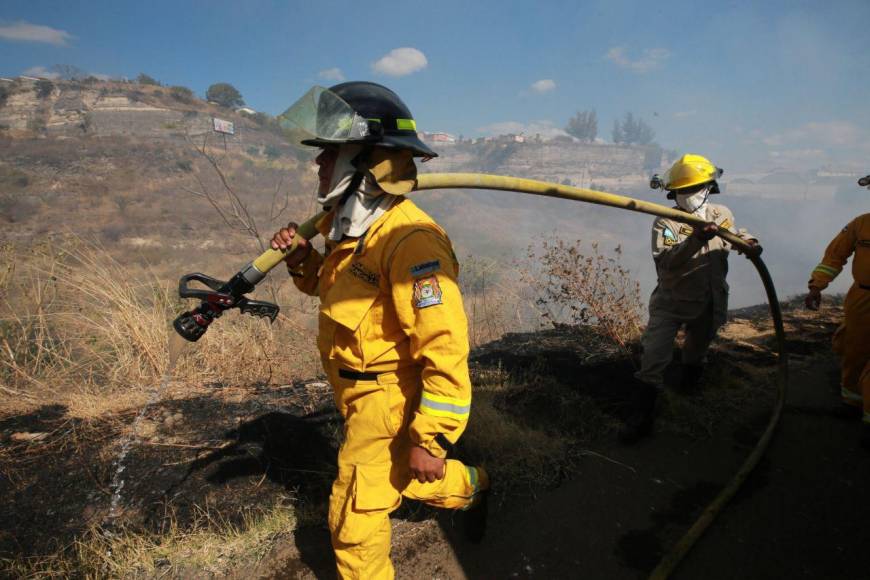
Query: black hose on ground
{"points": [[671, 560]]}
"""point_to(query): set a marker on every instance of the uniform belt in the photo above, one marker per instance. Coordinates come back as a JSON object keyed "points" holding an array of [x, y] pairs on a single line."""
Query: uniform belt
{"points": [[357, 375]]}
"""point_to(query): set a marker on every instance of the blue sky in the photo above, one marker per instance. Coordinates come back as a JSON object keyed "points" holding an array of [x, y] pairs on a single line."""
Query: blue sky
{"points": [[750, 84]]}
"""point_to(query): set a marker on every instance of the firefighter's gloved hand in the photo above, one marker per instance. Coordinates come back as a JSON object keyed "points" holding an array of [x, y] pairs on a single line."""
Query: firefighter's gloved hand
{"points": [[283, 239], [425, 467], [706, 233], [753, 250], [813, 299]]}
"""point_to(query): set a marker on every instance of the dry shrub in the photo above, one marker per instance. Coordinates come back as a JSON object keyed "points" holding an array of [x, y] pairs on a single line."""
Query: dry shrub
{"points": [[492, 300], [584, 287], [82, 329]]}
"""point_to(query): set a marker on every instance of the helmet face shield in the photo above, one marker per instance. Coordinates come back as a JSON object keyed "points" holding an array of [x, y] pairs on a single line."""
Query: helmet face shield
{"points": [[323, 117], [357, 112]]}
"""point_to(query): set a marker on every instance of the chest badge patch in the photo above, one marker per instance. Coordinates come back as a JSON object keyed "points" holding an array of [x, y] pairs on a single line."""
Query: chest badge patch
{"points": [[427, 292], [669, 238], [726, 224], [686, 230]]}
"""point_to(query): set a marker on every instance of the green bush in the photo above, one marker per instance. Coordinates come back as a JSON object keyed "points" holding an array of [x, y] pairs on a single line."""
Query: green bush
{"points": [[225, 95], [44, 88], [144, 79], [181, 94], [272, 152]]}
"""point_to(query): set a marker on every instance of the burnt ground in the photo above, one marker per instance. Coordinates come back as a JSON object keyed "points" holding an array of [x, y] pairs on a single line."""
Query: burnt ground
{"points": [[235, 449], [800, 515], [609, 512]]}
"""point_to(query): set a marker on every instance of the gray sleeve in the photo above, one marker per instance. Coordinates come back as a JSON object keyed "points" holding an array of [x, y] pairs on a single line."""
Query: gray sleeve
{"points": [[667, 251]]}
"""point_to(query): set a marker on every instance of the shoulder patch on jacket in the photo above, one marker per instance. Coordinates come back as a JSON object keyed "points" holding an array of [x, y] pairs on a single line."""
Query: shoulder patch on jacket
{"points": [[686, 230], [359, 271], [427, 292], [669, 238], [425, 268]]}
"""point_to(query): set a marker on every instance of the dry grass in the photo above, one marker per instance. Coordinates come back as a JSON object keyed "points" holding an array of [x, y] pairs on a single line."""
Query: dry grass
{"points": [[495, 302], [211, 545], [81, 329], [521, 458]]}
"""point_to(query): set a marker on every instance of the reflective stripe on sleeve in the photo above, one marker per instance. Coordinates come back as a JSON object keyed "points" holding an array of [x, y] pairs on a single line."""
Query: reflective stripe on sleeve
{"points": [[827, 270], [441, 406], [473, 478]]}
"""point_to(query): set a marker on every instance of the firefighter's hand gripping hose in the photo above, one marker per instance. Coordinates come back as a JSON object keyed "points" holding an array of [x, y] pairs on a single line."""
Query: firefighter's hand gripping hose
{"points": [[224, 295]]}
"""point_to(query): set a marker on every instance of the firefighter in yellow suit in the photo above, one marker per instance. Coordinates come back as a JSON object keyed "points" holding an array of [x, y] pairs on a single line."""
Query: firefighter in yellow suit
{"points": [[392, 329], [852, 338]]}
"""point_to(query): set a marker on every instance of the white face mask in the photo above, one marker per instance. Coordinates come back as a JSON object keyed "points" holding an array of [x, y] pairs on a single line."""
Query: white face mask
{"points": [[693, 202]]}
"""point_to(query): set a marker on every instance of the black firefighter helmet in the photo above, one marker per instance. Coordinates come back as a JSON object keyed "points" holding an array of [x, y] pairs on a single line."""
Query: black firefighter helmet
{"points": [[357, 112]]}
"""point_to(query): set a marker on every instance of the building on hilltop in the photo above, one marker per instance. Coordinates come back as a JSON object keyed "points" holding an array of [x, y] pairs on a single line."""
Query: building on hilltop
{"points": [[441, 138]]}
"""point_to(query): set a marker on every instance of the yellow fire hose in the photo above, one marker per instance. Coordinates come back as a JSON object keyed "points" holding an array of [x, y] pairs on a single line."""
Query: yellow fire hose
{"points": [[669, 562]]}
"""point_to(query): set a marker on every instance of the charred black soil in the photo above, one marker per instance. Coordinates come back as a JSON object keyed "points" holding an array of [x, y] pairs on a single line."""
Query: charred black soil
{"points": [[589, 508]]}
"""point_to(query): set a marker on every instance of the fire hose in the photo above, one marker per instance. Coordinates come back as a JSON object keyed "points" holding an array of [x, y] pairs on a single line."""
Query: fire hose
{"points": [[222, 296]]}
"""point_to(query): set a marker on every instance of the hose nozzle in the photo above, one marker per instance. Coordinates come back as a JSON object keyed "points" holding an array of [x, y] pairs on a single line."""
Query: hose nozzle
{"points": [[192, 325], [220, 296]]}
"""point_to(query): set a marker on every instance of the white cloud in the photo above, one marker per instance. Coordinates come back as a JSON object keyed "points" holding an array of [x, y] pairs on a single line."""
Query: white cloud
{"points": [[331, 74], [40, 72], [546, 129], [650, 58], [26, 32], [799, 155], [400, 62], [543, 86]]}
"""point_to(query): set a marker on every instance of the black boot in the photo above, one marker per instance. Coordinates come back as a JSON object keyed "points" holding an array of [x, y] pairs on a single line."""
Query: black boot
{"points": [[846, 411], [865, 436], [475, 515], [690, 379], [642, 409]]}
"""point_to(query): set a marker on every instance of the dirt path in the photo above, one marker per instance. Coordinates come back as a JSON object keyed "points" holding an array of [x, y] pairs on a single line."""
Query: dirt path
{"points": [[803, 513]]}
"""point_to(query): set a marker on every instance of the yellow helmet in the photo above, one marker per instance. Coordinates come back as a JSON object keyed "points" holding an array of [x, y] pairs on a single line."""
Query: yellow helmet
{"points": [[689, 171]]}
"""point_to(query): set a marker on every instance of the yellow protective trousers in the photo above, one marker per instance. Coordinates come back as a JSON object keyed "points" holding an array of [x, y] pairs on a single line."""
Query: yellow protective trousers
{"points": [[373, 471], [852, 343]]}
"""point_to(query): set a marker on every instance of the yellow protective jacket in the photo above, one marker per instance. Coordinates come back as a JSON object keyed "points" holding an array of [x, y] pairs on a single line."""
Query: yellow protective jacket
{"points": [[390, 302], [854, 238], [692, 272]]}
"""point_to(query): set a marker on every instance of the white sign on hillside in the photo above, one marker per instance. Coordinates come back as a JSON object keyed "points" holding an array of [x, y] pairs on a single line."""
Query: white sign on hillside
{"points": [[225, 127]]}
